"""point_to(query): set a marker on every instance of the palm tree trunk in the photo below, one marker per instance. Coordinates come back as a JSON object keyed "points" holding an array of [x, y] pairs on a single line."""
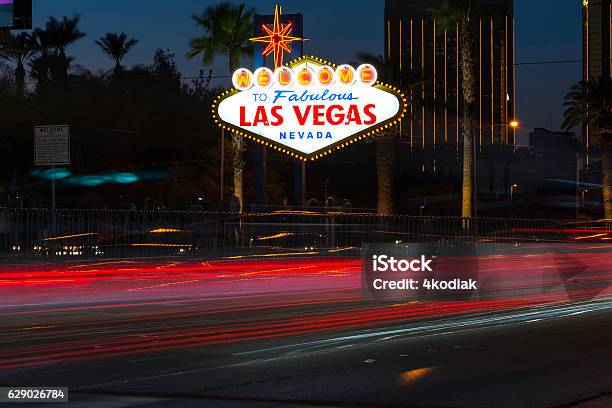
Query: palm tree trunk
{"points": [[468, 85], [606, 170], [65, 65], [384, 172], [118, 69], [20, 79], [468, 169], [238, 147]]}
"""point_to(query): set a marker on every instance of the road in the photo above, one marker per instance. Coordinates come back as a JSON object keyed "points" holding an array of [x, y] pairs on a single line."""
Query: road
{"points": [[295, 331]]}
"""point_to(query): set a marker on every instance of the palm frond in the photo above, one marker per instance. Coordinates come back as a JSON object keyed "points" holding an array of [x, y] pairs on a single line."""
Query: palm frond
{"points": [[452, 12], [227, 30], [19, 49], [116, 46], [590, 103], [63, 33]]}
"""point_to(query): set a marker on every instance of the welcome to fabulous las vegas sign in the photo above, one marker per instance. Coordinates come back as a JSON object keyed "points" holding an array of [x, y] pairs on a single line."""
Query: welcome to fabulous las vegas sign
{"points": [[310, 107]]}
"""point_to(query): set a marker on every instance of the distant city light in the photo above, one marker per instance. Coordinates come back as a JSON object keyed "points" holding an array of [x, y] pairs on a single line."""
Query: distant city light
{"points": [[514, 124]]}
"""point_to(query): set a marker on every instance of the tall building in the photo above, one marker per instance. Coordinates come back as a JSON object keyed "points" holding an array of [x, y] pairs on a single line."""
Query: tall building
{"points": [[414, 43], [596, 41], [596, 37]]}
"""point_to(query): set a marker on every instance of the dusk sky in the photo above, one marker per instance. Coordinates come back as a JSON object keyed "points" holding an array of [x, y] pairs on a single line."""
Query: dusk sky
{"points": [[545, 30]]}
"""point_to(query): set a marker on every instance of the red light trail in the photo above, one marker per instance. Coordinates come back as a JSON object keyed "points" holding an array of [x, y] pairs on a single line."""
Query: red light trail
{"points": [[172, 305]]}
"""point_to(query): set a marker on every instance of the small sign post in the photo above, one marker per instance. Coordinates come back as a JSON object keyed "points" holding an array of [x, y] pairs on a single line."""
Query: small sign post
{"points": [[52, 148]]}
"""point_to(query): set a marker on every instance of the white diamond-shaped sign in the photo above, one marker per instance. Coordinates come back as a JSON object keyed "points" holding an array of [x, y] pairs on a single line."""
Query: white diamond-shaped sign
{"points": [[308, 108]]}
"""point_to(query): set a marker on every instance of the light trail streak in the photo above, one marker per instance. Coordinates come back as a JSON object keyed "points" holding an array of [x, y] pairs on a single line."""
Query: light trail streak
{"points": [[97, 349], [248, 300], [89, 234], [436, 328]]}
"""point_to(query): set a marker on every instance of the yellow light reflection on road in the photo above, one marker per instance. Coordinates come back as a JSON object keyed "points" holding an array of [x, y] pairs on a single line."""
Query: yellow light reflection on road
{"points": [[412, 376]]}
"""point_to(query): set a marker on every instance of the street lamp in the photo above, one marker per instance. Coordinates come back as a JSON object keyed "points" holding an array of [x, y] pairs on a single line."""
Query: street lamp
{"points": [[512, 188], [514, 124]]}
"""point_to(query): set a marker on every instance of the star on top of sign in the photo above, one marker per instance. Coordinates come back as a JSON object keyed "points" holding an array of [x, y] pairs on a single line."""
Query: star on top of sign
{"points": [[278, 39]]}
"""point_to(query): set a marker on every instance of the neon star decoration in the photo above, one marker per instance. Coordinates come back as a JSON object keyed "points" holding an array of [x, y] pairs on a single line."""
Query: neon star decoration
{"points": [[278, 39]]}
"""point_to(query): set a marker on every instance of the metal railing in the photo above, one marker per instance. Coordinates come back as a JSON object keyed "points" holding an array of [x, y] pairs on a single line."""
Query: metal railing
{"points": [[115, 233]]}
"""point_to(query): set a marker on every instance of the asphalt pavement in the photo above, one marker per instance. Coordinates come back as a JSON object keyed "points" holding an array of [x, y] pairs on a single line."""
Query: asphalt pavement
{"points": [[312, 342]]}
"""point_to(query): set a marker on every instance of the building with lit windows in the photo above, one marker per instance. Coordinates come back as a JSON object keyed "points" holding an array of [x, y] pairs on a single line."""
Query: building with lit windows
{"points": [[596, 41], [414, 44]]}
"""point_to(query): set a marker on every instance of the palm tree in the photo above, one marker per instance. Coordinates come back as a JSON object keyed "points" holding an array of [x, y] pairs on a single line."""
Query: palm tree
{"points": [[450, 15], [116, 46], [43, 67], [227, 31], [18, 50], [385, 151], [42, 39], [590, 103], [62, 34], [385, 146]]}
